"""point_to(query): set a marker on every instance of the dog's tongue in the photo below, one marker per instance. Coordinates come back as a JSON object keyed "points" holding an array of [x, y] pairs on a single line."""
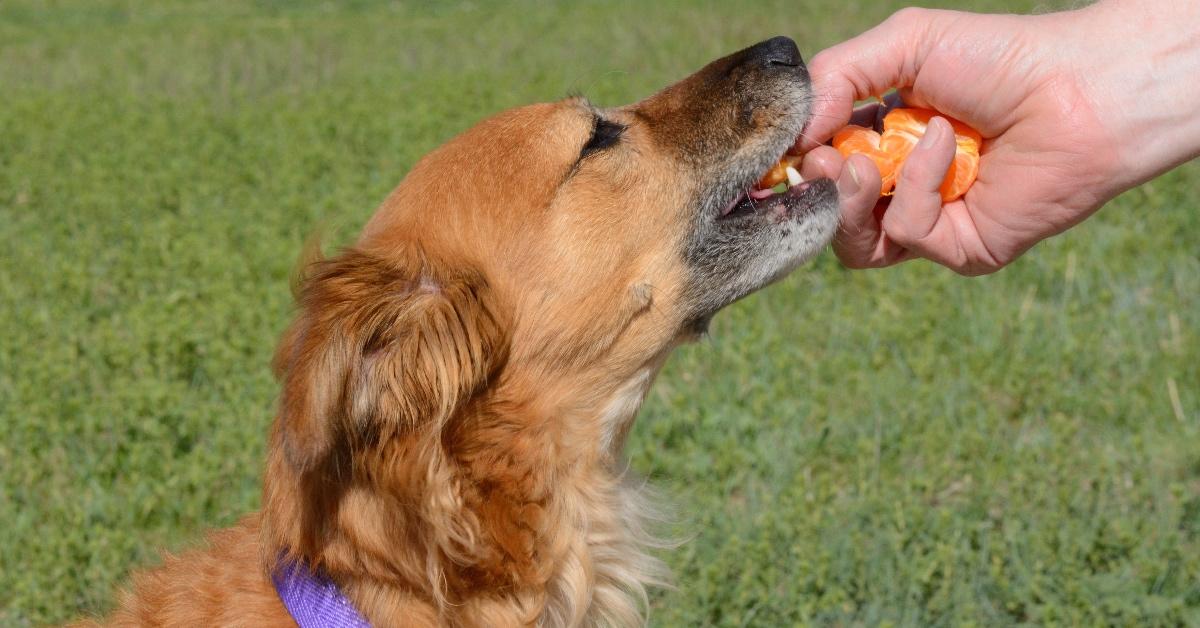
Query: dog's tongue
{"points": [[783, 172]]}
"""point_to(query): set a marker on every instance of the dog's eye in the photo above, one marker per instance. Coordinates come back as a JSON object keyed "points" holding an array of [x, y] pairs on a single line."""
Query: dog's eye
{"points": [[604, 134]]}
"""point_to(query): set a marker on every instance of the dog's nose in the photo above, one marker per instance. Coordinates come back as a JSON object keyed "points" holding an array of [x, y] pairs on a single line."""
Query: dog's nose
{"points": [[775, 52]]}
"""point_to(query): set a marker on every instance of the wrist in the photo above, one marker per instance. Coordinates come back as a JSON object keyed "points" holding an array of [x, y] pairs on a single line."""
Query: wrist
{"points": [[1136, 63]]}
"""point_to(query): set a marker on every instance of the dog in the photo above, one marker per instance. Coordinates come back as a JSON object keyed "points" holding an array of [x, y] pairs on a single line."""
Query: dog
{"points": [[457, 387]]}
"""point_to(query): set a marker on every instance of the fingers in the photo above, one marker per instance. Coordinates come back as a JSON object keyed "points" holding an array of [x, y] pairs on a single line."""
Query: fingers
{"points": [[822, 161], [859, 242], [915, 219], [914, 224], [886, 56], [858, 231]]}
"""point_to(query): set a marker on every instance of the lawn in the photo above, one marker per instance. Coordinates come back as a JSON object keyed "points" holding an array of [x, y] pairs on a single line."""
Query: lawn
{"points": [[902, 447]]}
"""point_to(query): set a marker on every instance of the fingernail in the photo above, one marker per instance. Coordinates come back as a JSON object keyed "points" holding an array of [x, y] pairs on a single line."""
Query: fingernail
{"points": [[847, 187], [933, 135]]}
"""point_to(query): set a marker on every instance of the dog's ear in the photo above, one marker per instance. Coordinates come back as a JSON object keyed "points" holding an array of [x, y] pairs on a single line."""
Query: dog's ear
{"points": [[379, 347]]}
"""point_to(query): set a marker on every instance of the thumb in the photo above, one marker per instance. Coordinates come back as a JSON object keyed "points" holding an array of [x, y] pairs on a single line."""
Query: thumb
{"points": [[889, 55]]}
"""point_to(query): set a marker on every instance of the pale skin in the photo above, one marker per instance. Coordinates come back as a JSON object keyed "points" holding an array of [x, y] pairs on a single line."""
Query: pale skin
{"points": [[1075, 108]]}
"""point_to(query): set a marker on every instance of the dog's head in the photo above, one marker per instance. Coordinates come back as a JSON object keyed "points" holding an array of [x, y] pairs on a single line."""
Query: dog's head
{"points": [[544, 263], [588, 209], [560, 241]]}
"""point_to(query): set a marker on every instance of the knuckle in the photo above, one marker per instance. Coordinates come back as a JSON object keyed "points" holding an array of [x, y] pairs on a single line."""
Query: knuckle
{"points": [[980, 266], [909, 16], [923, 176], [911, 233], [817, 63], [913, 173], [903, 235]]}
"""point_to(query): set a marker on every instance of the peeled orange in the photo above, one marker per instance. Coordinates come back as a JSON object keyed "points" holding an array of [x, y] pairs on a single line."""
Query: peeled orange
{"points": [[864, 141], [902, 129], [778, 173]]}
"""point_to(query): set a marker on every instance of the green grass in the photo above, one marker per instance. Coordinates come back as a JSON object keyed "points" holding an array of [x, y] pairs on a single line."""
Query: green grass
{"points": [[898, 447]]}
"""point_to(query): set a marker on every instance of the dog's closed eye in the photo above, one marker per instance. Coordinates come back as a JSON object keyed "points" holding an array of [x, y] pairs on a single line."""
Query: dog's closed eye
{"points": [[605, 134]]}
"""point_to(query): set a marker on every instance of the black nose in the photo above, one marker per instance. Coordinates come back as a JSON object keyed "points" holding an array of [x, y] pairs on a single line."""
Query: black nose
{"points": [[777, 51]]}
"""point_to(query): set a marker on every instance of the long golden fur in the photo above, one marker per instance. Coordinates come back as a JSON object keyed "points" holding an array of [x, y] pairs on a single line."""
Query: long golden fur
{"points": [[457, 387]]}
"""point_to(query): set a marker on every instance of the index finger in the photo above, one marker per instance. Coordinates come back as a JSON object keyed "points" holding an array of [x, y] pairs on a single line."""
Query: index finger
{"points": [[887, 56]]}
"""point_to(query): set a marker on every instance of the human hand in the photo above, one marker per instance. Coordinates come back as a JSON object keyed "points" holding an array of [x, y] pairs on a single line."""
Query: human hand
{"points": [[1064, 129]]}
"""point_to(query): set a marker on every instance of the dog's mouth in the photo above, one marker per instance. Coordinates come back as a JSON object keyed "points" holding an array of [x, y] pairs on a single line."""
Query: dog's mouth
{"points": [[788, 199], [748, 231], [759, 234], [778, 193]]}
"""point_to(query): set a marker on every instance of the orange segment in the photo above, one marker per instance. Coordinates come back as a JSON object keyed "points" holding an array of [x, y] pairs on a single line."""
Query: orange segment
{"points": [[913, 122], [856, 139], [898, 144], [963, 171], [778, 173], [902, 129]]}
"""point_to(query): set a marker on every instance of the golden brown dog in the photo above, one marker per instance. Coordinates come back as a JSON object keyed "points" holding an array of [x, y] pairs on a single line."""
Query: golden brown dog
{"points": [[457, 387]]}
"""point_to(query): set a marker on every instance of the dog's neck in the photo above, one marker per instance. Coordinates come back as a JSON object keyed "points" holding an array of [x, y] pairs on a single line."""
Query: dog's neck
{"points": [[522, 494]]}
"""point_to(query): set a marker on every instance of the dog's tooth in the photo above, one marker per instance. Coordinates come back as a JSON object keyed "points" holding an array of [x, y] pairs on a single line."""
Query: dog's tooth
{"points": [[794, 177]]}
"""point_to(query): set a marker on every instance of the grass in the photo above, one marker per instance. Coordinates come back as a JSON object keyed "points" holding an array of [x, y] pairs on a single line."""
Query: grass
{"points": [[897, 447]]}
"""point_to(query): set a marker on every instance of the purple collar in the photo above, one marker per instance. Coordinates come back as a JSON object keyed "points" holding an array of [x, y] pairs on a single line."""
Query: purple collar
{"points": [[314, 600]]}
